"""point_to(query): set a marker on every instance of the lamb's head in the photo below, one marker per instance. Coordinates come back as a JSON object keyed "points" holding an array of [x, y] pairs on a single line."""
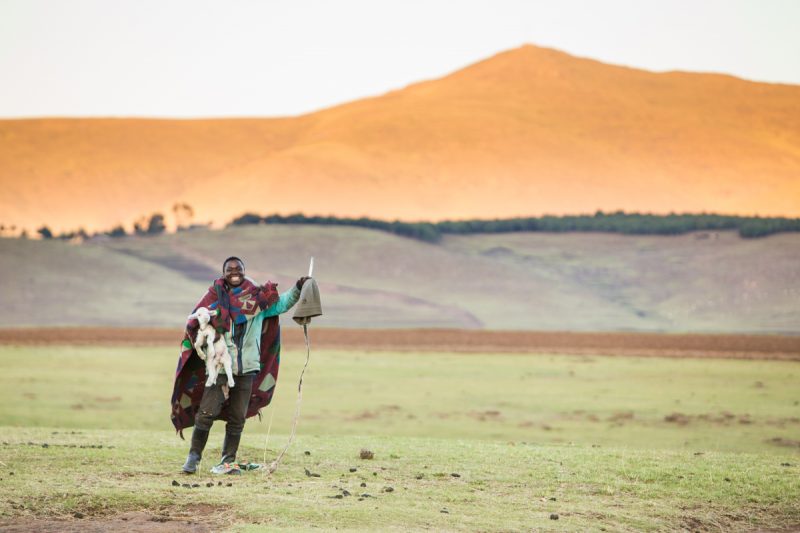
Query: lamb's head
{"points": [[203, 316]]}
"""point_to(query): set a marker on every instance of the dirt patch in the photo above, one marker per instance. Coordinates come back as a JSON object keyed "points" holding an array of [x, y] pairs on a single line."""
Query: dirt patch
{"points": [[781, 347], [109, 399], [621, 416], [91, 336], [191, 519], [483, 416], [375, 413], [690, 523], [677, 418], [784, 442], [725, 418], [364, 415]]}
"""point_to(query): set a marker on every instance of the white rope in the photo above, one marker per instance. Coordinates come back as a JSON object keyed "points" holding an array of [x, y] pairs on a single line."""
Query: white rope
{"points": [[274, 466], [269, 429]]}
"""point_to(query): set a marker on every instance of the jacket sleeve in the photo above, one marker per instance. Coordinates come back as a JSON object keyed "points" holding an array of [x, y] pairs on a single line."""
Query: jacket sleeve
{"points": [[284, 303]]}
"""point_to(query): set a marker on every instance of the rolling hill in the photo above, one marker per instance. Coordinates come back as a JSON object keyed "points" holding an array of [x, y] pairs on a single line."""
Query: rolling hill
{"points": [[699, 282], [527, 132]]}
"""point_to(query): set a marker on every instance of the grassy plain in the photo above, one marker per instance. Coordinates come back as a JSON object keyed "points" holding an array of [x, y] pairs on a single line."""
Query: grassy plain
{"points": [[603, 442], [372, 279]]}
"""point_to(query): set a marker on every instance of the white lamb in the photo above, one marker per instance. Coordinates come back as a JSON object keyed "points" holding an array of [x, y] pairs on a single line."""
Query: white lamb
{"points": [[216, 353]]}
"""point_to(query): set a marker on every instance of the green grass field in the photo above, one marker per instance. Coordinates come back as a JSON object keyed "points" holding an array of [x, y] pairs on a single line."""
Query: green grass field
{"points": [[606, 443]]}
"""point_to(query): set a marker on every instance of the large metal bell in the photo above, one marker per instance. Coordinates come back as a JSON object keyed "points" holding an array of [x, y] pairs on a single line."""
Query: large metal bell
{"points": [[309, 305]]}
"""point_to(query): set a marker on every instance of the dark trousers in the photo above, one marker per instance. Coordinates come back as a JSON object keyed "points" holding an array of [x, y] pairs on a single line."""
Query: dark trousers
{"points": [[213, 398]]}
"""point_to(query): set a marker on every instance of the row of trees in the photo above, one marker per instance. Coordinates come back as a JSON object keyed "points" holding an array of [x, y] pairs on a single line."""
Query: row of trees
{"points": [[627, 223], [154, 224], [424, 231], [148, 225], [617, 222]]}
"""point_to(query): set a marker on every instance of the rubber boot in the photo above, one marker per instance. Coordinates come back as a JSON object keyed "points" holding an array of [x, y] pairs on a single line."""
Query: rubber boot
{"points": [[230, 447], [227, 464], [199, 439]]}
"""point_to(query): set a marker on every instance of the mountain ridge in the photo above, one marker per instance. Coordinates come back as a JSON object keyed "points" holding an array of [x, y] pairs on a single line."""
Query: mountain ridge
{"points": [[526, 132]]}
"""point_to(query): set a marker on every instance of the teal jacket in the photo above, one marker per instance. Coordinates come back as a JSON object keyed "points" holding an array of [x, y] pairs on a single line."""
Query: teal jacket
{"points": [[249, 359]]}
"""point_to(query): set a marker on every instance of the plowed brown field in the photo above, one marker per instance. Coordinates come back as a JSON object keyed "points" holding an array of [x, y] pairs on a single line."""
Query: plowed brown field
{"points": [[453, 340]]}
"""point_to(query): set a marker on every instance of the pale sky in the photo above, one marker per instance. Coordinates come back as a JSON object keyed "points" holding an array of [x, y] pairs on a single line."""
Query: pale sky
{"points": [[199, 58]]}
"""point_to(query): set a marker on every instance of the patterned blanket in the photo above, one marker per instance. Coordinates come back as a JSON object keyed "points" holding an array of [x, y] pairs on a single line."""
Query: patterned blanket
{"points": [[235, 306]]}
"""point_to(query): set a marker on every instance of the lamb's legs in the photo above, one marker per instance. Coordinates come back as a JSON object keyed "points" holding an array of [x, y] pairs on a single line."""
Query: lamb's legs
{"points": [[212, 369], [211, 352], [226, 362], [198, 347], [202, 338]]}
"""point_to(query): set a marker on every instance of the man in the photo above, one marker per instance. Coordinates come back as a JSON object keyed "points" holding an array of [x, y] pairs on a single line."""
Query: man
{"points": [[247, 317]]}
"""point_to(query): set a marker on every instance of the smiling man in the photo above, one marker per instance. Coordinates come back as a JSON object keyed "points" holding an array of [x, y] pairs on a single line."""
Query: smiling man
{"points": [[246, 315]]}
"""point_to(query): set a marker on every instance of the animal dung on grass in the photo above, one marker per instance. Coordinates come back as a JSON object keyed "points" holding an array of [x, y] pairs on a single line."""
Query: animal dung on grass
{"points": [[366, 454]]}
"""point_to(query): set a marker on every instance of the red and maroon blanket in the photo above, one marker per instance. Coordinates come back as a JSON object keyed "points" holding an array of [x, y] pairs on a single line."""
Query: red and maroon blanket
{"points": [[235, 305]]}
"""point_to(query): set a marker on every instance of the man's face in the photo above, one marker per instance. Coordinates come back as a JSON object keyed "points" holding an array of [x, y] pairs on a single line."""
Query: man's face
{"points": [[233, 273]]}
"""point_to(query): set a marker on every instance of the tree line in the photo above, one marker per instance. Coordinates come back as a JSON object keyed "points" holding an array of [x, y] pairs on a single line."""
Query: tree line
{"points": [[617, 222], [145, 225]]}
